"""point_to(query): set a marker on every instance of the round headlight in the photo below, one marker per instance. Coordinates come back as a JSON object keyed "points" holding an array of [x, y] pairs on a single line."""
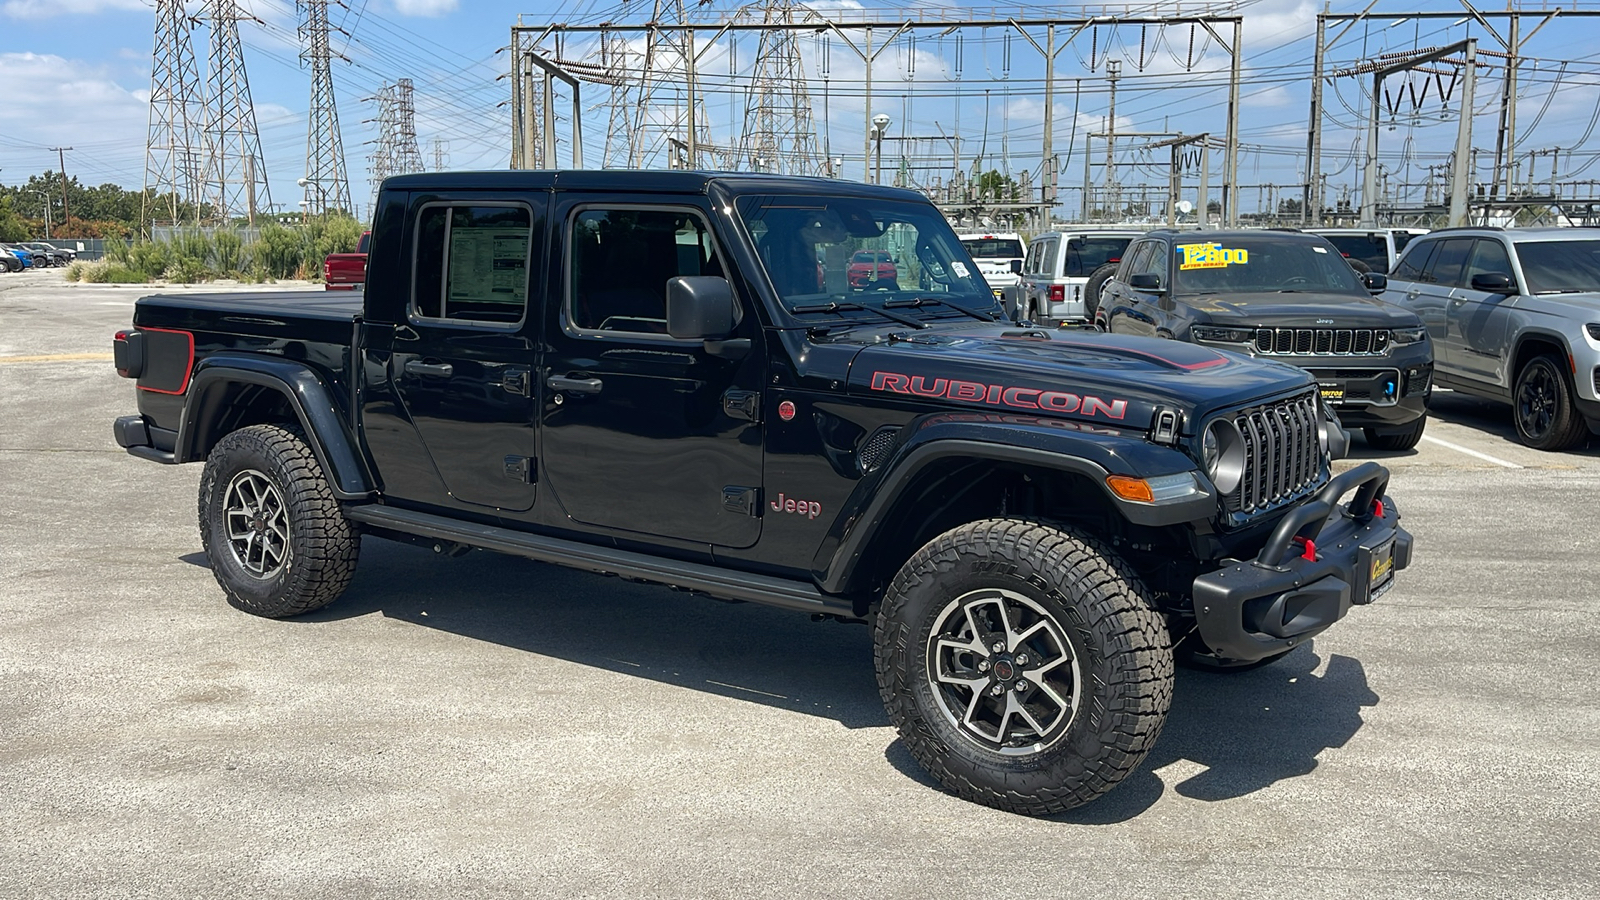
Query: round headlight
{"points": [[1222, 447]]}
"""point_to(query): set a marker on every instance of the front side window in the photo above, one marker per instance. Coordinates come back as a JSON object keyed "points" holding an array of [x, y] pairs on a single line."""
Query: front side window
{"points": [[1262, 265], [1411, 265], [472, 263], [621, 261], [1488, 258], [822, 250], [1447, 264]]}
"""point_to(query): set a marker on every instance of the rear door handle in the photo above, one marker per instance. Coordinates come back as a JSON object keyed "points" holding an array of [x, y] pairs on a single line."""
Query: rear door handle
{"points": [[574, 385], [418, 367]]}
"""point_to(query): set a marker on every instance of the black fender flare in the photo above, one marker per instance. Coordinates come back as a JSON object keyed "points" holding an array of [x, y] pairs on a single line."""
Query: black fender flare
{"points": [[1060, 445], [307, 394]]}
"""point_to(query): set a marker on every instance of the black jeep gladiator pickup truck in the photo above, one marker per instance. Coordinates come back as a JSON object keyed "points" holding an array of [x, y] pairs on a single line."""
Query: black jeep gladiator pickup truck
{"points": [[670, 376]]}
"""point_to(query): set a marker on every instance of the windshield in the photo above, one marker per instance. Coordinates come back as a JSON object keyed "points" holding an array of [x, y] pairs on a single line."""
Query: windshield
{"points": [[1254, 265], [819, 250], [1369, 248], [1085, 254], [1560, 267], [993, 248]]}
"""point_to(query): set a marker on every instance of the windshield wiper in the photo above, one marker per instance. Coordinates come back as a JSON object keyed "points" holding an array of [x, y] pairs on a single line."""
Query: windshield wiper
{"points": [[835, 306], [916, 302]]}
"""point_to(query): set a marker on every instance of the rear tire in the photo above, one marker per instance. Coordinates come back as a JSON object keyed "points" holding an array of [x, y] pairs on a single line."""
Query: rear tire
{"points": [[1542, 407], [1022, 665], [1093, 288], [278, 542], [1397, 440]]}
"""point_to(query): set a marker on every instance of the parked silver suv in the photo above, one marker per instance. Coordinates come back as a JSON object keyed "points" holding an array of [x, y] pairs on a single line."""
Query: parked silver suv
{"points": [[1058, 267], [1514, 316]]}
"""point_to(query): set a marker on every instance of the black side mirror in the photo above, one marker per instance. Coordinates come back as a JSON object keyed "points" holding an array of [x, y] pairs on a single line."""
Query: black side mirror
{"points": [[701, 307], [1376, 282], [1016, 267], [1494, 283], [1149, 282]]}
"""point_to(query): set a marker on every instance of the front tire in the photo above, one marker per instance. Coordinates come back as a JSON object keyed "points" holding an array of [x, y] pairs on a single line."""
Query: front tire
{"points": [[1542, 407], [1022, 665], [278, 542]]}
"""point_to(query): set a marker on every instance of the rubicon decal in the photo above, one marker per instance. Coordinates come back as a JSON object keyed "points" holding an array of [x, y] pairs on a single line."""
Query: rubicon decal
{"points": [[999, 395]]}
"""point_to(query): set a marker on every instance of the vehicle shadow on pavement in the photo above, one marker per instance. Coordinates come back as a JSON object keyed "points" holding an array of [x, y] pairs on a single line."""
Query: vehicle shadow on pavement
{"points": [[743, 651], [1489, 417], [1244, 732]]}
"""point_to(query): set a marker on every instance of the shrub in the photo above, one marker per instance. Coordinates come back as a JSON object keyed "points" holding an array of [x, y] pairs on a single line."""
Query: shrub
{"points": [[279, 251], [74, 271], [120, 274], [187, 270]]}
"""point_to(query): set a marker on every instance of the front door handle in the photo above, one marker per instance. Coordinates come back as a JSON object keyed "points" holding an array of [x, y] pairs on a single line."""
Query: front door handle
{"points": [[574, 385], [418, 367]]}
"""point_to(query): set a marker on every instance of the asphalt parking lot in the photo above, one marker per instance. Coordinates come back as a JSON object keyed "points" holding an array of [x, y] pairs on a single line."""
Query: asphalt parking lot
{"points": [[493, 727]]}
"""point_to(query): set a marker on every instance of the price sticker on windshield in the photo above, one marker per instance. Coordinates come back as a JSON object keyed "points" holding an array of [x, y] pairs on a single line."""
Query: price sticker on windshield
{"points": [[1212, 256]]}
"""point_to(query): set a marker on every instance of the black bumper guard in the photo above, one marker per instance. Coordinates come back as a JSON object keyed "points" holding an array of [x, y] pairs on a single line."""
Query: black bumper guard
{"points": [[1322, 558]]}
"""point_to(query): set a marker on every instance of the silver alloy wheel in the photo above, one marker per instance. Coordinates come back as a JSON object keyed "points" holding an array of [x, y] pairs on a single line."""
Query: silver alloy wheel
{"points": [[257, 522], [1003, 672]]}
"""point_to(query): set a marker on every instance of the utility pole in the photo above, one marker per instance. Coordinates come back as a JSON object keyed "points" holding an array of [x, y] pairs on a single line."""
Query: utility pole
{"points": [[325, 164], [66, 211], [1113, 73], [1312, 205], [1230, 182], [1459, 212]]}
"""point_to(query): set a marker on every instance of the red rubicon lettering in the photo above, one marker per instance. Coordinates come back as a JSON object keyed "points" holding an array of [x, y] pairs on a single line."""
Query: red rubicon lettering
{"points": [[1014, 397], [999, 395], [889, 381]]}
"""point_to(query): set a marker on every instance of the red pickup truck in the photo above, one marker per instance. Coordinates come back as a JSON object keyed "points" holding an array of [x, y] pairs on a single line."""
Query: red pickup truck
{"points": [[347, 271]]}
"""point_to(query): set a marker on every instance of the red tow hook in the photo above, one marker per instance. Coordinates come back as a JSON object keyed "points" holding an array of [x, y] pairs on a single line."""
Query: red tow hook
{"points": [[1310, 554], [1377, 508]]}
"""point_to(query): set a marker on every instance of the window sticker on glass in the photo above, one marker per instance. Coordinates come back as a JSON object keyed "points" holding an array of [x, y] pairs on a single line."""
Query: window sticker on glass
{"points": [[487, 265], [1320, 249], [960, 269], [1211, 256]]}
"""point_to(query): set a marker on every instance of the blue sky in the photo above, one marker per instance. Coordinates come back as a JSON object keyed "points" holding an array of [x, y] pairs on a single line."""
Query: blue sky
{"points": [[76, 73]]}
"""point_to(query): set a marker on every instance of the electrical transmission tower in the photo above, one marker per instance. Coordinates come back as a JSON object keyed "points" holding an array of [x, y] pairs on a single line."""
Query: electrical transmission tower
{"points": [[658, 104], [441, 155], [171, 155], [614, 57], [396, 151], [236, 174], [327, 185], [778, 132]]}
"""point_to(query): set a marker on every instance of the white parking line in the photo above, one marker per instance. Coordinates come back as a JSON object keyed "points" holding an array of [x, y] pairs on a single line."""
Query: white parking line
{"points": [[1470, 452]]}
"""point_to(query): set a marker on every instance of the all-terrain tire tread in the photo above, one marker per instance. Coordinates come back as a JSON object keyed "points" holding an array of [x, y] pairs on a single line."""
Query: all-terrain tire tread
{"points": [[1136, 673]]}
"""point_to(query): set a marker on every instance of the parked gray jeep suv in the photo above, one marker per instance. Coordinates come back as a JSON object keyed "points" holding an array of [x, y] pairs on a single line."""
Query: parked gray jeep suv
{"points": [[1515, 316]]}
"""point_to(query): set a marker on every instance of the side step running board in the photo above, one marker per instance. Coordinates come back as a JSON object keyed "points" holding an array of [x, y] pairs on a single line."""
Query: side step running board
{"points": [[718, 582]]}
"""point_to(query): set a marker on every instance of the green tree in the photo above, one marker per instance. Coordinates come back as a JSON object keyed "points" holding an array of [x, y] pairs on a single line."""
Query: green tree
{"points": [[1001, 188], [12, 228]]}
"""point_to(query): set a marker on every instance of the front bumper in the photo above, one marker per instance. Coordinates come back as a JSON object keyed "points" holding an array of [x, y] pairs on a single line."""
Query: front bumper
{"points": [[1322, 558]]}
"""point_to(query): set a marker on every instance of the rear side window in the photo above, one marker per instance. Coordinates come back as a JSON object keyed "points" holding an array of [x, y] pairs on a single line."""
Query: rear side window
{"points": [[1449, 262], [1048, 262], [1085, 254], [1413, 264], [1372, 249], [472, 263]]}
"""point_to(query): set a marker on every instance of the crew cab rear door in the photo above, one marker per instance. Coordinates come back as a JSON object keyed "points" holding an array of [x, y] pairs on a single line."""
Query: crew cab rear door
{"points": [[461, 361], [644, 434]]}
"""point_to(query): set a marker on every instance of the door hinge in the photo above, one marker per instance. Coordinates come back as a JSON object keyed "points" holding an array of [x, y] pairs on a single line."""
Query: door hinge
{"points": [[516, 381], [521, 468], [742, 404], [746, 501]]}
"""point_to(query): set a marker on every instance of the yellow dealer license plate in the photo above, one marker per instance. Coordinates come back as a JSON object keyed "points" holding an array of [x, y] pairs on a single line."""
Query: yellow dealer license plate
{"points": [[1382, 574], [1332, 392]]}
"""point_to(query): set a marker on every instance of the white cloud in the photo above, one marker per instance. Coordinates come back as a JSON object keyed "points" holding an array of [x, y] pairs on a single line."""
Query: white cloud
{"points": [[424, 7], [44, 9]]}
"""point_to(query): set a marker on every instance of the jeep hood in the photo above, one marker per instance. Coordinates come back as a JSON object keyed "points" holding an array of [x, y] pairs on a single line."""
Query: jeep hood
{"points": [[1110, 379], [1308, 310]]}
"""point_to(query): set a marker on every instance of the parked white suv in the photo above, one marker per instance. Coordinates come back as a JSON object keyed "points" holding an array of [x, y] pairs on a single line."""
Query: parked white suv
{"points": [[999, 258], [1375, 248], [1058, 266]]}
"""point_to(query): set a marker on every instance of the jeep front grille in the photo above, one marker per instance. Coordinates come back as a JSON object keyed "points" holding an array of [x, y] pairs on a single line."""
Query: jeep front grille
{"points": [[1284, 460], [1322, 341]]}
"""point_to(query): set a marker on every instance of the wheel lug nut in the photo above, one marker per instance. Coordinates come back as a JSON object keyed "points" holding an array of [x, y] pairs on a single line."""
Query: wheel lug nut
{"points": [[983, 665], [1022, 659], [1022, 686], [997, 690], [998, 647]]}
